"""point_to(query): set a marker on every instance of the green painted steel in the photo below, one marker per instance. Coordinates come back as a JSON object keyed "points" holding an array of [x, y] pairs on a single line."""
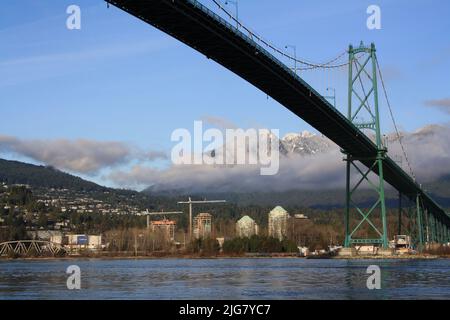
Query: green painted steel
{"points": [[419, 223], [367, 241], [355, 78], [436, 227], [433, 228], [400, 211], [438, 232]]}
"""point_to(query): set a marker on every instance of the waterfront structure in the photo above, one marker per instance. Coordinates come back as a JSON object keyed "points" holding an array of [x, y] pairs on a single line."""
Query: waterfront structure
{"points": [[30, 248], [77, 242], [303, 251], [202, 226], [246, 227], [164, 227], [278, 222], [71, 242]]}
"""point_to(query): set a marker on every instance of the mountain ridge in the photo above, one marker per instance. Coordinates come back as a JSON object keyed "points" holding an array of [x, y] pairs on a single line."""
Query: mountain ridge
{"points": [[15, 172]]}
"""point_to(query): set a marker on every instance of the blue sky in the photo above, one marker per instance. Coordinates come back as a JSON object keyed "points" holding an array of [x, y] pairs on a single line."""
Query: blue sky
{"points": [[119, 79]]}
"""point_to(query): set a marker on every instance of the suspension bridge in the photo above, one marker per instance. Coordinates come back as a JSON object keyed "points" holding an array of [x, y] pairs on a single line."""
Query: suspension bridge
{"points": [[222, 37]]}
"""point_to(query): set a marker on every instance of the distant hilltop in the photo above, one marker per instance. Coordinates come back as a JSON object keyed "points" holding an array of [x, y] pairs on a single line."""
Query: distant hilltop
{"points": [[15, 172]]}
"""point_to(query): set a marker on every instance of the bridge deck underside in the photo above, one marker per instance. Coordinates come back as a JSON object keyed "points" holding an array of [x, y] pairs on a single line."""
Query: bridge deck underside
{"points": [[186, 21]]}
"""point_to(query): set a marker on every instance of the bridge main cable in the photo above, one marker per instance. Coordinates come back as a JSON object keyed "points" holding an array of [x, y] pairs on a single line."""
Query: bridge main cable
{"points": [[310, 65]]}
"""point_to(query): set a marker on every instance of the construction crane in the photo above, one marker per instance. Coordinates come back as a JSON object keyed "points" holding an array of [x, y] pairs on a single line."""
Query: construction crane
{"points": [[190, 203], [162, 213]]}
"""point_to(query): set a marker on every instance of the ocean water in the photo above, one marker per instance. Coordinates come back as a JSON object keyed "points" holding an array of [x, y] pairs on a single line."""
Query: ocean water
{"points": [[217, 279]]}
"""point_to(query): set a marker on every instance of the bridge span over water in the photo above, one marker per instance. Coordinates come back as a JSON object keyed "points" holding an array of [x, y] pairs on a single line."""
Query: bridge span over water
{"points": [[242, 52]]}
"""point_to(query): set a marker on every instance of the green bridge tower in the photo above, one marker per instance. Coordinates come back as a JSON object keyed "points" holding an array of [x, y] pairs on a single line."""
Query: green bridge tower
{"points": [[363, 102]]}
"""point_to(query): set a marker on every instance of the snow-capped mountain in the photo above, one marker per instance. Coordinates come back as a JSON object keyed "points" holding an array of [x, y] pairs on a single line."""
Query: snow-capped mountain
{"points": [[305, 143]]}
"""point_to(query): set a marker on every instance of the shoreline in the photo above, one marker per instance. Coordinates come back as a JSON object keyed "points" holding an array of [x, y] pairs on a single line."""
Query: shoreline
{"points": [[228, 257]]}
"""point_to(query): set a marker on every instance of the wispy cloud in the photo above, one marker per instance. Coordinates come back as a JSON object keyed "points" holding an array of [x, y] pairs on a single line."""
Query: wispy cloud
{"points": [[441, 104], [439, 58], [154, 155], [82, 156], [296, 172], [219, 122], [102, 52], [31, 68], [79, 156]]}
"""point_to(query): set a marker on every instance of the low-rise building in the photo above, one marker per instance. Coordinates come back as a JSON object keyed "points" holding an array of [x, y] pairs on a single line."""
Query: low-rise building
{"points": [[77, 242]]}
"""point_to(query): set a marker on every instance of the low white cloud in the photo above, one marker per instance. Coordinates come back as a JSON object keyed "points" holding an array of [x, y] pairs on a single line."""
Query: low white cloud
{"points": [[79, 156], [154, 155], [428, 151], [295, 172], [219, 122], [441, 104]]}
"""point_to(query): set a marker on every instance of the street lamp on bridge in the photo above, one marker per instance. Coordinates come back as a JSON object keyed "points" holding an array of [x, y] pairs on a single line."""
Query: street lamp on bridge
{"points": [[294, 49], [333, 97]]}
